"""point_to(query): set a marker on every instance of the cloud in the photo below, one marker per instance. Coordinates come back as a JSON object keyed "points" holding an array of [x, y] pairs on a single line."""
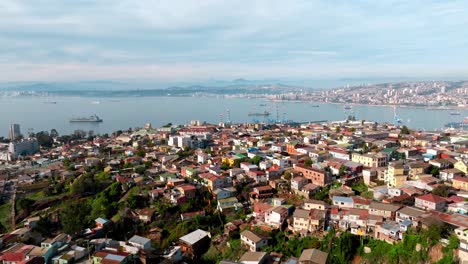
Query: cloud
{"points": [[212, 39]]}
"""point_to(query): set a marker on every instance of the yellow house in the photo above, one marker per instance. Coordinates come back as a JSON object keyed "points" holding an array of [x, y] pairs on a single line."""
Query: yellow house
{"points": [[460, 183], [229, 160], [370, 160], [397, 181], [462, 166], [395, 175]]}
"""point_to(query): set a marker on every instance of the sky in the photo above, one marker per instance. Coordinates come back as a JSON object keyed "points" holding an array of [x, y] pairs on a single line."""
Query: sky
{"points": [[58, 40]]}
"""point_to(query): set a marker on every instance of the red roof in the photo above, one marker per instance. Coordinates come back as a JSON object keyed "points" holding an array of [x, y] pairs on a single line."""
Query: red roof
{"points": [[456, 199], [187, 187], [261, 207], [459, 178], [432, 198], [12, 257]]}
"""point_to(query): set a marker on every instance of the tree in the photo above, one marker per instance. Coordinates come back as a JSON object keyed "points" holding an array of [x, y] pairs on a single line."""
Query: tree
{"points": [[342, 170], [54, 133], [441, 190], [74, 217], [337, 129], [405, 131], [44, 139], [435, 171], [256, 160], [308, 162], [25, 204]]}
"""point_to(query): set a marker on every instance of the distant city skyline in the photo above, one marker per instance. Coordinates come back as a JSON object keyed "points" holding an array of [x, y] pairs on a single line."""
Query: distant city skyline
{"points": [[53, 40]]}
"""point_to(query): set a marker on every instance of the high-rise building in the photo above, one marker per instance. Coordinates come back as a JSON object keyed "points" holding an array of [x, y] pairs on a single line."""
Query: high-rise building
{"points": [[14, 131]]}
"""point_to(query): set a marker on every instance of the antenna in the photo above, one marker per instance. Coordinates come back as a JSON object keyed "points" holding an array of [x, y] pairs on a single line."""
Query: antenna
{"points": [[228, 117], [277, 114]]}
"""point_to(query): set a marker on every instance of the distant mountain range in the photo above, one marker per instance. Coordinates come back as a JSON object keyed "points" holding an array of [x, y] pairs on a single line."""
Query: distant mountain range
{"points": [[115, 88]]}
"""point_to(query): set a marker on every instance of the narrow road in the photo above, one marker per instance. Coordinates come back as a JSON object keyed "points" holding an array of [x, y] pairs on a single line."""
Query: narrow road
{"points": [[13, 211]]}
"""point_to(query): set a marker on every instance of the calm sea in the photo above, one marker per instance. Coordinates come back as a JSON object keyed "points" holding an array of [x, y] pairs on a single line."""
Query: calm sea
{"points": [[37, 113]]}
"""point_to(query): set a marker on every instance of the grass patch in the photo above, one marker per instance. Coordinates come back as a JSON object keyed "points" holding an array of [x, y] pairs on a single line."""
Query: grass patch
{"points": [[5, 215]]}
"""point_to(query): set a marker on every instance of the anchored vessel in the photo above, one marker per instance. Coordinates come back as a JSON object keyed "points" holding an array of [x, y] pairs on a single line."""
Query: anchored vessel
{"points": [[91, 119], [264, 113], [457, 125]]}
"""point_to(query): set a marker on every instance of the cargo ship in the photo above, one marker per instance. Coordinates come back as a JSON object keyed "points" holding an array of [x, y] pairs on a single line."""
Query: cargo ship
{"points": [[264, 113], [458, 125], [91, 119]]}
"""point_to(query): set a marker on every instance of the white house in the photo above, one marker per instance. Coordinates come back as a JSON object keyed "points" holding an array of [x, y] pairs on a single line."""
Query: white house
{"points": [[252, 240], [140, 242]]}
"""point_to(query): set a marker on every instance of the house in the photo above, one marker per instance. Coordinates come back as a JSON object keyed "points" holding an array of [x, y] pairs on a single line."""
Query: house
{"points": [[140, 242], [343, 202], [387, 211], [388, 231], [306, 221], [228, 203], [313, 256], [370, 159], [252, 240], [145, 215], [314, 204], [462, 166], [196, 242], [449, 174], [254, 258], [261, 192], [173, 254], [298, 182], [317, 176], [308, 190], [101, 222], [111, 257], [408, 213], [301, 220], [260, 209], [430, 202], [460, 183], [276, 216], [188, 190], [223, 193], [31, 222], [191, 215]]}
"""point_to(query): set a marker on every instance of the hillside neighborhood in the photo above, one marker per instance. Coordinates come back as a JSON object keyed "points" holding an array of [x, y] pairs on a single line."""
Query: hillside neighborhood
{"points": [[337, 192]]}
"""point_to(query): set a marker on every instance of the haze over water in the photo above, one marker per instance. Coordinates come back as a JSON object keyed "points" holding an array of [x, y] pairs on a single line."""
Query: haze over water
{"points": [[122, 113]]}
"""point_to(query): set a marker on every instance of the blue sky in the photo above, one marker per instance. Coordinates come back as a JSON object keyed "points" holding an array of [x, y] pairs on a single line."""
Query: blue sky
{"points": [[52, 40]]}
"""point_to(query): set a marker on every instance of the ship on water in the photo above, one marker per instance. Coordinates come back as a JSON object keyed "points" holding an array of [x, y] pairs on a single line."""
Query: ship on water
{"points": [[264, 113], [455, 113], [458, 125], [91, 119]]}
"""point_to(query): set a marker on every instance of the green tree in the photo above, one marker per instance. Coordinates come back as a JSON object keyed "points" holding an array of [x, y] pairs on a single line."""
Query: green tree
{"points": [[74, 217], [405, 130], [256, 160], [435, 171], [44, 139], [342, 170], [308, 162], [441, 190]]}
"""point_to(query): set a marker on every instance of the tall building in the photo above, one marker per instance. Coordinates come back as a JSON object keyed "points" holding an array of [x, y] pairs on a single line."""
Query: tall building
{"points": [[23, 147], [14, 131]]}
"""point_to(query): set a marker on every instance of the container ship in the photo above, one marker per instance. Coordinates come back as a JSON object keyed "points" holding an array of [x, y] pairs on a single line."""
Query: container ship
{"points": [[458, 125], [91, 119]]}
